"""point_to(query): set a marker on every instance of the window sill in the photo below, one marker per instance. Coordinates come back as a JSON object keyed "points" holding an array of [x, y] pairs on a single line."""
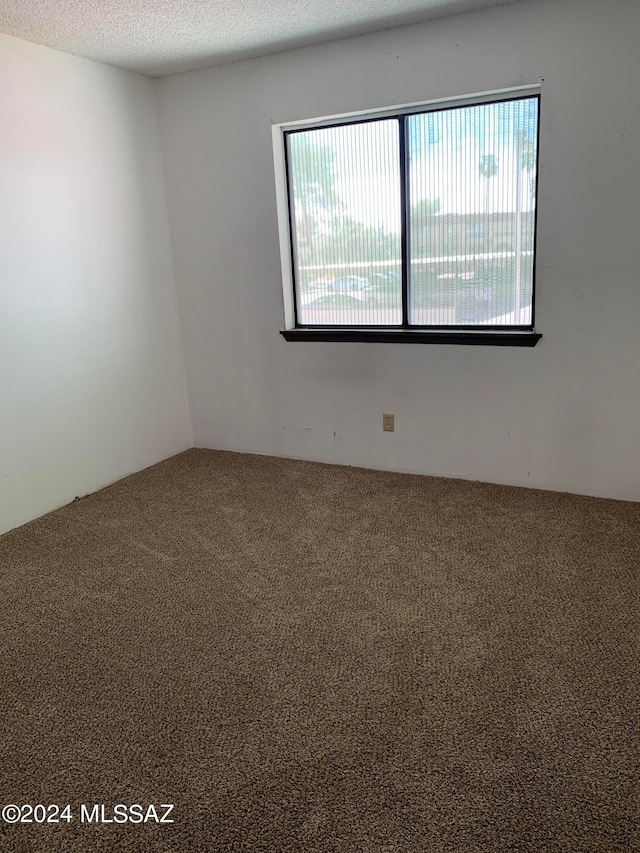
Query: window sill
{"points": [[415, 336]]}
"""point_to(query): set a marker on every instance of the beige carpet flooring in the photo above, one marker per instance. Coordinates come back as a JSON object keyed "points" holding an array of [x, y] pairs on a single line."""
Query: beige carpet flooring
{"points": [[304, 657]]}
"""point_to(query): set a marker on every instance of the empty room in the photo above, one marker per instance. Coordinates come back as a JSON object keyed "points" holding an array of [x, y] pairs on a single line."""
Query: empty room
{"points": [[319, 426]]}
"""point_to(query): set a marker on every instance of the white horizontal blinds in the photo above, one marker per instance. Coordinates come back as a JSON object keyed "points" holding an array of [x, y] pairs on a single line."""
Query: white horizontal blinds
{"points": [[472, 182], [344, 184]]}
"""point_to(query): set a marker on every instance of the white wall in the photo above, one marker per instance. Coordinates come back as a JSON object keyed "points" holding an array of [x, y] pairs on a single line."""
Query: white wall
{"points": [[91, 367], [565, 415]]}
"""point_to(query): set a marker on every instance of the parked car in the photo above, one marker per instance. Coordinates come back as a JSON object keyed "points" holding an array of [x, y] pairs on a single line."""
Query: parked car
{"points": [[356, 286], [385, 289], [474, 301], [386, 279], [336, 300], [323, 284], [348, 283]]}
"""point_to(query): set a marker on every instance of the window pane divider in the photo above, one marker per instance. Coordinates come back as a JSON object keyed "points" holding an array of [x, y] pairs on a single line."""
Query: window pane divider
{"points": [[404, 221]]}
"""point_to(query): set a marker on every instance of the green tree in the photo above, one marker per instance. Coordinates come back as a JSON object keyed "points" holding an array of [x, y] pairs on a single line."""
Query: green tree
{"points": [[424, 208], [313, 177], [421, 231], [326, 235], [347, 241], [488, 167], [526, 148]]}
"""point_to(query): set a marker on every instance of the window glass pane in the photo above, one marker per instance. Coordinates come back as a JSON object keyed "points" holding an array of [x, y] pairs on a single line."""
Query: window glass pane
{"points": [[472, 195], [344, 185]]}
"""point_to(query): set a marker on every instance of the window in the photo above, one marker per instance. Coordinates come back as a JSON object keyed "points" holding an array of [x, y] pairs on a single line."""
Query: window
{"points": [[416, 224]]}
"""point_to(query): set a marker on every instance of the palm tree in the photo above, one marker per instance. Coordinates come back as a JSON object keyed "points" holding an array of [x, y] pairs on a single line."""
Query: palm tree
{"points": [[525, 152], [488, 169]]}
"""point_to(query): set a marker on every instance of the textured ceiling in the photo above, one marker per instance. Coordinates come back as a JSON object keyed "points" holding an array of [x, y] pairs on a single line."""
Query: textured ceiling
{"points": [[158, 37]]}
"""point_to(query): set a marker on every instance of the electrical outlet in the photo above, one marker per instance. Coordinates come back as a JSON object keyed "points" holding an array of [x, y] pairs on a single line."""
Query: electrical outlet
{"points": [[388, 424]]}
